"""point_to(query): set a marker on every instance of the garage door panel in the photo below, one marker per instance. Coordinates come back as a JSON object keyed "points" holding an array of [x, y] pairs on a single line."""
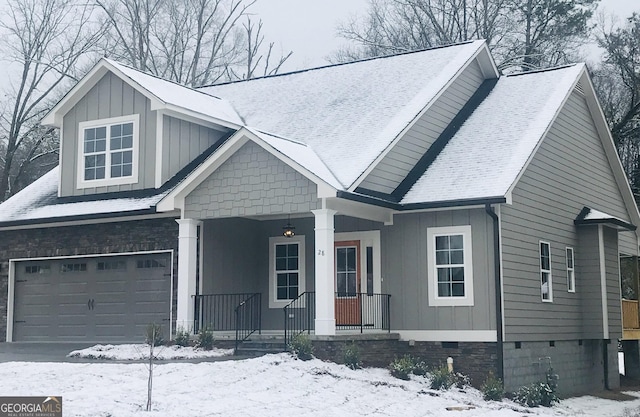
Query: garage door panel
{"points": [[98, 299]]}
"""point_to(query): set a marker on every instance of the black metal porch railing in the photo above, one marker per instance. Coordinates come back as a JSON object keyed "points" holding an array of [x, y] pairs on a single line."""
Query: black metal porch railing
{"points": [[299, 316], [353, 311], [216, 312], [248, 318]]}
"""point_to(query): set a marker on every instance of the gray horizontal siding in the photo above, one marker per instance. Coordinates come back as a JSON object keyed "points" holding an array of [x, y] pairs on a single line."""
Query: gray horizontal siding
{"points": [[110, 97], [182, 142], [404, 264], [570, 170], [395, 166]]}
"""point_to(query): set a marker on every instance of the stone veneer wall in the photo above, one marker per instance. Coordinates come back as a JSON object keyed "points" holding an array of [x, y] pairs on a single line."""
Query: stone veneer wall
{"points": [[104, 238], [474, 359]]}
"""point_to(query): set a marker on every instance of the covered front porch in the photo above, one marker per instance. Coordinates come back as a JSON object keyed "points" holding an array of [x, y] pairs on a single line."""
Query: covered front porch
{"points": [[323, 278]]}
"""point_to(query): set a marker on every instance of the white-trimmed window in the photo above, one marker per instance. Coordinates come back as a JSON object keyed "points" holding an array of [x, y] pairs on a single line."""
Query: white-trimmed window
{"points": [[546, 282], [571, 272], [286, 270], [450, 266], [108, 151]]}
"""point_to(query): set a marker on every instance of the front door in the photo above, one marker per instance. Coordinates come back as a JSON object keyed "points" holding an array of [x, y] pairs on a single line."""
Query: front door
{"points": [[347, 273]]}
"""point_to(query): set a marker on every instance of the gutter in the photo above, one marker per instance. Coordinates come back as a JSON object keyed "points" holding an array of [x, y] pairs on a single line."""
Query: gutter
{"points": [[498, 290]]}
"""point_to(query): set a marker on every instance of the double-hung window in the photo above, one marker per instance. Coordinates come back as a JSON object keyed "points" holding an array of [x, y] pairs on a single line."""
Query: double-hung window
{"points": [[546, 283], [571, 271], [108, 152], [286, 270], [449, 262]]}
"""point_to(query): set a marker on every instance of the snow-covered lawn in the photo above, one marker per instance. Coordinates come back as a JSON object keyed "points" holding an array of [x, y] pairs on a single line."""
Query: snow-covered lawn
{"points": [[273, 385], [129, 352]]}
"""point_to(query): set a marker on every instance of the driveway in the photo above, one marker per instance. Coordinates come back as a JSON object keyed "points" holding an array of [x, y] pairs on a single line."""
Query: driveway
{"points": [[40, 352]]}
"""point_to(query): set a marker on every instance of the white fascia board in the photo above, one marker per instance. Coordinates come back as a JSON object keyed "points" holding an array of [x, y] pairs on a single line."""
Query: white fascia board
{"points": [[610, 150], [513, 185], [55, 116], [175, 199], [361, 210], [427, 106], [195, 117]]}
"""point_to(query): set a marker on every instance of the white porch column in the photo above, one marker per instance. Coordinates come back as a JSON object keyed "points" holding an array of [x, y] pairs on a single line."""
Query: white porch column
{"points": [[325, 281], [187, 266]]}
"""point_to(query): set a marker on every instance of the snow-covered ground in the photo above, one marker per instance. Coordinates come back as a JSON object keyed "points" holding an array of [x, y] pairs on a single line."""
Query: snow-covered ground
{"points": [[128, 352], [273, 385]]}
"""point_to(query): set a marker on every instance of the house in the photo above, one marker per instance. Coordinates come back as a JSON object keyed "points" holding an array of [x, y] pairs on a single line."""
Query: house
{"points": [[420, 203]]}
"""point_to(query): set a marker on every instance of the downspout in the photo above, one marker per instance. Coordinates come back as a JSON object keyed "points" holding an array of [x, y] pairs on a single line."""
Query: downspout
{"points": [[498, 290]]}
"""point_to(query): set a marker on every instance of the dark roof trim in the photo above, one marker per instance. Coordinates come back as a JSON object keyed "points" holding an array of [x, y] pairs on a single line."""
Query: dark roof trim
{"points": [[609, 221], [82, 217], [447, 134], [339, 64], [368, 199], [150, 192]]}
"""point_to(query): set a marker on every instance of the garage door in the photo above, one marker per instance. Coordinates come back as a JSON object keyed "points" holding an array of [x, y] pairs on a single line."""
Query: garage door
{"points": [[105, 299]]}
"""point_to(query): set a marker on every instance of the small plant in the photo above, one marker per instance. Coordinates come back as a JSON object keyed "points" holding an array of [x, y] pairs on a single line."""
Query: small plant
{"points": [[401, 368], [441, 378], [205, 339], [460, 380], [153, 334], [352, 356], [492, 388], [536, 394], [302, 347], [420, 368], [182, 337]]}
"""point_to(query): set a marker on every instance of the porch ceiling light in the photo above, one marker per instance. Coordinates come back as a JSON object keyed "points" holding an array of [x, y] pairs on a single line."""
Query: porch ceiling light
{"points": [[289, 230]]}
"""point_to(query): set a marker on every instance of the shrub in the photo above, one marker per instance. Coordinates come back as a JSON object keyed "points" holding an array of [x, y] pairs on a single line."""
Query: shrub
{"points": [[352, 356], [182, 337], [302, 347], [205, 339], [460, 380], [420, 368], [441, 378], [492, 388], [401, 368], [533, 395], [153, 334]]}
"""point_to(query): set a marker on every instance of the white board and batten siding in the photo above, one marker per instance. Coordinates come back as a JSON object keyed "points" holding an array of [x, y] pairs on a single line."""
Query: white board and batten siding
{"points": [[395, 166], [110, 97], [569, 171], [404, 271]]}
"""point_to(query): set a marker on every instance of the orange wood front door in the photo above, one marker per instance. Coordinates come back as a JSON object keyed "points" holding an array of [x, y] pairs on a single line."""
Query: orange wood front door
{"points": [[347, 276]]}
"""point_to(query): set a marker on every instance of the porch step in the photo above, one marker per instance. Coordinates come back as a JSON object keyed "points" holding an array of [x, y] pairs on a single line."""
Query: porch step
{"points": [[261, 346]]}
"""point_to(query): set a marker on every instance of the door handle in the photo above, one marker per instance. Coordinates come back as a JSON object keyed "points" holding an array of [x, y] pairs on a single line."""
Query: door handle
{"points": [[91, 303]]}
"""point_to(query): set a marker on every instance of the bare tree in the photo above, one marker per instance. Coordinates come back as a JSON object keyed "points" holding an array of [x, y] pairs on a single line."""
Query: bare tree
{"points": [[193, 42], [524, 33], [43, 42]]}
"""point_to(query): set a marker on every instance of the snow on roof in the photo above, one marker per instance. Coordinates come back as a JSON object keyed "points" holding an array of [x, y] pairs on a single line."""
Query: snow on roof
{"points": [[348, 114], [181, 96], [492, 147], [40, 200], [300, 153]]}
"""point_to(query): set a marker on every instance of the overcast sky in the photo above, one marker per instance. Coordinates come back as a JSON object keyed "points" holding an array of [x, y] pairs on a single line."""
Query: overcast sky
{"points": [[308, 27]]}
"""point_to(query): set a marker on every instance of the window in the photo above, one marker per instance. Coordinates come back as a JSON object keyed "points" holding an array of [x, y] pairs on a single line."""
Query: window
{"points": [[449, 266], [112, 265], [107, 152], [149, 263], [545, 272], [37, 269], [286, 270], [571, 274], [73, 267]]}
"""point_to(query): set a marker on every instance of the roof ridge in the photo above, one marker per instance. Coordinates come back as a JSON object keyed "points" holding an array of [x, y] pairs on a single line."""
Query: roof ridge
{"points": [[357, 61]]}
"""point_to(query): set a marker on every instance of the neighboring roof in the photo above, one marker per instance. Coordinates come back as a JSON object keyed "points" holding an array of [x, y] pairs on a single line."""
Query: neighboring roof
{"points": [[490, 150], [39, 201], [589, 216], [348, 113]]}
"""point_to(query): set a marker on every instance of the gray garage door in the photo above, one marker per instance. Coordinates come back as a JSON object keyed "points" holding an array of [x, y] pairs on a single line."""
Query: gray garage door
{"points": [[106, 299]]}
